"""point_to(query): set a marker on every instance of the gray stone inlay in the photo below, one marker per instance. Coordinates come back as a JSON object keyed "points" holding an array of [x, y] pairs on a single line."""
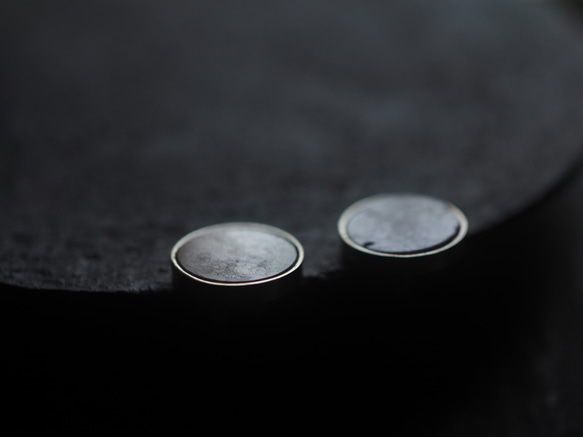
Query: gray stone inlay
{"points": [[237, 255], [404, 224]]}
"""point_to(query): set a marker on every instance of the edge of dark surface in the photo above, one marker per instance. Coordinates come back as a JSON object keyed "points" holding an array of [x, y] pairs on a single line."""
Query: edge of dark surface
{"points": [[432, 352], [91, 361]]}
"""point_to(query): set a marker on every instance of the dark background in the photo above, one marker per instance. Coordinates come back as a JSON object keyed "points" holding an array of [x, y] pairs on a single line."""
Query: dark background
{"points": [[491, 346]]}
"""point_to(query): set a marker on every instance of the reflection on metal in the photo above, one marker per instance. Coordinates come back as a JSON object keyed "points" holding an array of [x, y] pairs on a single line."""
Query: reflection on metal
{"points": [[237, 263], [410, 232]]}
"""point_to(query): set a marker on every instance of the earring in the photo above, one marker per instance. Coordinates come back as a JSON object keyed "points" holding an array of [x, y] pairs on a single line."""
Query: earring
{"points": [[237, 263], [401, 233]]}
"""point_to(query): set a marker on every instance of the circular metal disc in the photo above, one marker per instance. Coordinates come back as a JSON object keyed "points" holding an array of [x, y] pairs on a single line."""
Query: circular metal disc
{"points": [[401, 226], [262, 259]]}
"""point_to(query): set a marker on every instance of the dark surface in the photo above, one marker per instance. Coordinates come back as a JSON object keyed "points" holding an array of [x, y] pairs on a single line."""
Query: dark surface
{"points": [[491, 347], [125, 124]]}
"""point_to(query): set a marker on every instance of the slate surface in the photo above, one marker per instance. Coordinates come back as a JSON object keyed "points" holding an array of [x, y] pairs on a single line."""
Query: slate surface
{"points": [[127, 124], [495, 352]]}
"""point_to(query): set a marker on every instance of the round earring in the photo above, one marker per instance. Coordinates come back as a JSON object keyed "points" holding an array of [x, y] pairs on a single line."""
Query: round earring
{"points": [[237, 263], [407, 233]]}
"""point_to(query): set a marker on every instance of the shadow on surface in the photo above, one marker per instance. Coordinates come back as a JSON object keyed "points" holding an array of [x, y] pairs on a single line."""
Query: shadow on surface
{"points": [[419, 353]]}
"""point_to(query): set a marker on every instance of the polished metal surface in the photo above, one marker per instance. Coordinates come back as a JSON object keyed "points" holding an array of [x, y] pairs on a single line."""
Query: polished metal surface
{"points": [[403, 224], [401, 230], [236, 263], [233, 255]]}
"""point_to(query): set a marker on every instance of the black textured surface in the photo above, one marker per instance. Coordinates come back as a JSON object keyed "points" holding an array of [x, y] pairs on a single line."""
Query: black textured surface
{"points": [[127, 124], [492, 350]]}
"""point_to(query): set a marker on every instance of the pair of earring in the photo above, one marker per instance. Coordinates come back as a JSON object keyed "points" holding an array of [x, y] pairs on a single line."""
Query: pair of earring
{"points": [[247, 263]]}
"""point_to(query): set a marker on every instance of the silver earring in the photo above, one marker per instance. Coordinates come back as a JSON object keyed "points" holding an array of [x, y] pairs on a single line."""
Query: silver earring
{"points": [[401, 233], [237, 263]]}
